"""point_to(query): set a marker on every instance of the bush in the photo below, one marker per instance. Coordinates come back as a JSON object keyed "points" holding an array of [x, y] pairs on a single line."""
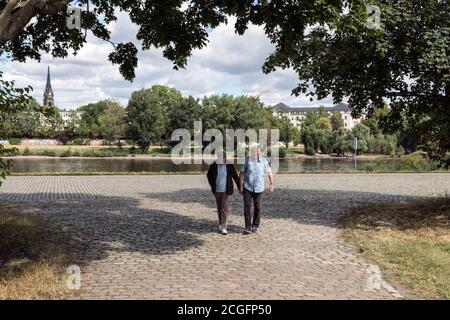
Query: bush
{"points": [[309, 150], [164, 150], [15, 141], [412, 162], [88, 154], [26, 151], [400, 151], [282, 153], [106, 154], [10, 152], [66, 153], [63, 138], [48, 153], [99, 154], [121, 154], [417, 162]]}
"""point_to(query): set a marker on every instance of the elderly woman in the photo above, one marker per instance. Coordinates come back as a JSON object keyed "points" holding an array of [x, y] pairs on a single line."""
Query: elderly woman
{"points": [[220, 177]]}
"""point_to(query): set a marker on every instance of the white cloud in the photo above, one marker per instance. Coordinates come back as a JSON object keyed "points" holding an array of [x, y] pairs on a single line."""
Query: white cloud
{"points": [[229, 64]]}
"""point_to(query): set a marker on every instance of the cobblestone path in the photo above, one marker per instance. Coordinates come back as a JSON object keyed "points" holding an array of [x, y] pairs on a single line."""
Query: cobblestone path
{"points": [[154, 237]]}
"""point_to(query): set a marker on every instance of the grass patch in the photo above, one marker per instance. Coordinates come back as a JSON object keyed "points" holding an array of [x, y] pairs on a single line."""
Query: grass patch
{"points": [[409, 239], [33, 258], [296, 150]]}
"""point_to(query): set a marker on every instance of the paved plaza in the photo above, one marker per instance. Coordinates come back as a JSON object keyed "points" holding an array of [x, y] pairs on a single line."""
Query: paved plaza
{"points": [[155, 237]]}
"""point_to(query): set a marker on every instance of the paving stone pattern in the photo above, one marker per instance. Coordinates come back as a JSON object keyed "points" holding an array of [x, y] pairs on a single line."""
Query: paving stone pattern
{"points": [[155, 237]]}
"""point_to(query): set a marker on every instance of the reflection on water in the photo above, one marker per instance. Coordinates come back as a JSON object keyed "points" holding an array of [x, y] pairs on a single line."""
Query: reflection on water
{"points": [[133, 165]]}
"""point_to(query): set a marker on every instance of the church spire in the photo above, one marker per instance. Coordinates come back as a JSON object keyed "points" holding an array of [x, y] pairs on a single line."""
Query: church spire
{"points": [[48, 95]]}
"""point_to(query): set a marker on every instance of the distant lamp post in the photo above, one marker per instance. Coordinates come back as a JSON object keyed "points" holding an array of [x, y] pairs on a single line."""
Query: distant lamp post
{"points": [[355, 145], [355, 148]]}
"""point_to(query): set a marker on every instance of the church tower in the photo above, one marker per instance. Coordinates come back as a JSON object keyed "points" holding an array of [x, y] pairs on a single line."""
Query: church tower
{"points": [[49, 99]]}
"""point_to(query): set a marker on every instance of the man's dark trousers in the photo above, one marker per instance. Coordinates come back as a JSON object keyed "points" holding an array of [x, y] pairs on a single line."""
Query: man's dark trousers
{"points": [[256, 198]]}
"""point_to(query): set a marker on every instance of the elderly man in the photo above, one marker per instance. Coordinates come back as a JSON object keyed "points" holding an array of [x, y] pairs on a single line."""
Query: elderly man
{"points": [[252, 186]]}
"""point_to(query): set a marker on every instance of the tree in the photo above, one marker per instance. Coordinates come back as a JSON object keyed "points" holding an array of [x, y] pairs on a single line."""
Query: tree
{"points": [[219, 112], [336, 121], [341, 141], [322, 113], [90, 118], [30, 122], [408, 140], [182, 115], [365, 139], [30, 27], [147, 114], [112, 123], [375, 119], [315, 140], [51, 125], [250, 113], [296, 136], [310, 120], [384, 144], [72, 128], [11, 99], [333, 51], [324, 123], [285, 128]]}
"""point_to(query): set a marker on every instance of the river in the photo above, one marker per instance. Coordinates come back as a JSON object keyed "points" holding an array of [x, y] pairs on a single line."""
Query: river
{"points": [[149, 165]]}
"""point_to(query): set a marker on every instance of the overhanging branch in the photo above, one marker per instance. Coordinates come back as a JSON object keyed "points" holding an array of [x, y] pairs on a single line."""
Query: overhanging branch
{"points": [[18, 13]]}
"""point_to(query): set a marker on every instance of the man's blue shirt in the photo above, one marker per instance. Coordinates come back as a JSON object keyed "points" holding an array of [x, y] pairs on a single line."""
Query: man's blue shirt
{"points": [[255, 172]]}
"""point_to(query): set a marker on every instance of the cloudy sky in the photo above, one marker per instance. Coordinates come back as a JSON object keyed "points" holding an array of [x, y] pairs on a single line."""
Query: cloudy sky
{"points": [[229, 64]]}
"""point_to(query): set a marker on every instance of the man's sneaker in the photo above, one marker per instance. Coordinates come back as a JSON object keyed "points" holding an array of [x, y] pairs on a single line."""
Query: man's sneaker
{"points": [[224, 231], [254, 229], [247, 231]]}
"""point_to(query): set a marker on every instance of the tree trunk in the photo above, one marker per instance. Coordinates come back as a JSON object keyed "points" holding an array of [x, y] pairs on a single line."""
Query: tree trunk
{"points": [[18, 13]]}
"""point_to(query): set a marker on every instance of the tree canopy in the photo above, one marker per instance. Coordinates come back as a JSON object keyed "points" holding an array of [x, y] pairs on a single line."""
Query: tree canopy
{"points": [[147, 112], [12, 98]]}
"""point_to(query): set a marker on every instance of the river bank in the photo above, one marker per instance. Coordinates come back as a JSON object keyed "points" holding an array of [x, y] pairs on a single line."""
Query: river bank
{"points": [[154, 152]]}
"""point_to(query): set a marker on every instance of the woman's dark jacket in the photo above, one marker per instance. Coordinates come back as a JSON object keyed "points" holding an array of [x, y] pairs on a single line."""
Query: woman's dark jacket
{"points": [[231, 175]]}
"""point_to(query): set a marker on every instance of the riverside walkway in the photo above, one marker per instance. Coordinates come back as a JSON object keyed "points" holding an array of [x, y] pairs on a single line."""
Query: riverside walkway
{"points": [[155, 237]]}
